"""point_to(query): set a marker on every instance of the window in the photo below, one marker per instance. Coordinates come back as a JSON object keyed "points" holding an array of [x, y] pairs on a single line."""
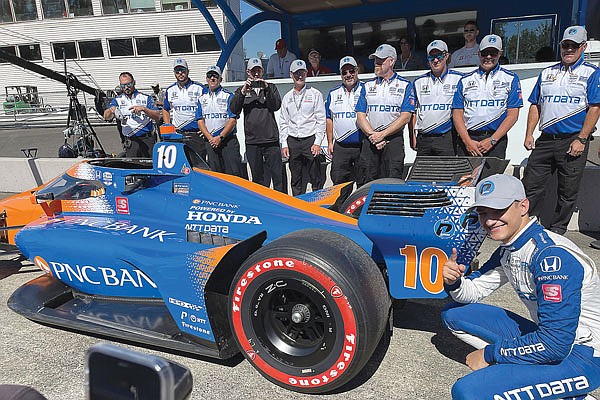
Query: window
{"points": [[6, 14], [91, 49], [137, 6], [30, 52], [168, 5], [147, 46], [179, 44], [329, 41], [447, 27], [523, 37], [120, 47], [54, 8], [78, 8], [369, 35], [114, 6], [25, 10], [206, 43], [9, 49], [70, 52]]}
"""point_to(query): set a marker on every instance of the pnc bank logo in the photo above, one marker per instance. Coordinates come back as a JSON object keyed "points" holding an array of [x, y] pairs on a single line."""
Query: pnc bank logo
{"points": [[42, 264]]}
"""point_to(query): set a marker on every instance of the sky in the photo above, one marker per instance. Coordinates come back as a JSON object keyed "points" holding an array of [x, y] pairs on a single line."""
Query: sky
{"points": [[262, 37]]}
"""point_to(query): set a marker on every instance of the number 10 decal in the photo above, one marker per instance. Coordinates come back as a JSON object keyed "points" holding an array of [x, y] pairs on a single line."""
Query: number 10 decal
{"points": [[422, 266], [167, 156]]}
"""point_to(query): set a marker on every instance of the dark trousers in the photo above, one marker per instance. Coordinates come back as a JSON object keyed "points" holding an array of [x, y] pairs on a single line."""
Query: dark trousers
{"points": [[344, 162], [139, 146], [304, 167], [436, 145], [225, 158], [549, 156], [499, 150], [385, 163], [265, 159], [196, 141]]}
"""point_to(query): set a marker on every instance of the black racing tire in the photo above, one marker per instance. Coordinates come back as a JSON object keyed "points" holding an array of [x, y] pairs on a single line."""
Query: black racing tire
{"points": [[308, 310], [354, 203]]}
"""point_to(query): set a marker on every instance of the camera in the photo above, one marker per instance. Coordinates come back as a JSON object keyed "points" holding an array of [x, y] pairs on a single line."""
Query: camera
{"points": [[117, 373], [256, 84]]}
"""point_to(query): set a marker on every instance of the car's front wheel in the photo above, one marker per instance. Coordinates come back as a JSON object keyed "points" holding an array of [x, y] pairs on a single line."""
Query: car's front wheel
{"points": [[308, 310]]}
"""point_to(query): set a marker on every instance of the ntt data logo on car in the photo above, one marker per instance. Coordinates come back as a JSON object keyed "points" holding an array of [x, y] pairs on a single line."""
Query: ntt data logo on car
{"points": [[42, 264]]}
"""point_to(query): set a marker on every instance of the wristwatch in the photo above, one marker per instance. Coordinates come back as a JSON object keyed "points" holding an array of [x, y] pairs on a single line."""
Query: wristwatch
{"points": [[493, 141], [582, 140]]}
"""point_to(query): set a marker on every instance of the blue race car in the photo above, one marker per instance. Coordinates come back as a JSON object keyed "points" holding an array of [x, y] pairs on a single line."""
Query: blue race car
{"points": [[165, 252]]}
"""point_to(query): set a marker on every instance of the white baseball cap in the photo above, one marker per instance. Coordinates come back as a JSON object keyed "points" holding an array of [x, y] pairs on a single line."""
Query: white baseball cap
{"points": [[384, 51], [347, 60], [214, 68], [498, 192], [180, 62], [577, 34], [491, 41], [437, 45], [297, 65], [254, 62]]}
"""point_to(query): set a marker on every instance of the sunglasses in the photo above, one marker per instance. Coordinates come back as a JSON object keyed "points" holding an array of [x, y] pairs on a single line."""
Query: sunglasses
{"points": [[299, 73], [379, 61], [438, 57], [180, 70], [126, 85], [469, 30], [571, 45], [212, 75], [350, 71], [489, 53]]}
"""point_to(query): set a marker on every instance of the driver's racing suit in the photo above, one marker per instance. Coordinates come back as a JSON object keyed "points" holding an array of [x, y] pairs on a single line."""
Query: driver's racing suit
{"points": [[555, 356]]}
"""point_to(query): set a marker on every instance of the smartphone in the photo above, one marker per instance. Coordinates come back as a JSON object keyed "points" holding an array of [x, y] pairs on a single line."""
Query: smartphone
{"points": [[117, 373]]}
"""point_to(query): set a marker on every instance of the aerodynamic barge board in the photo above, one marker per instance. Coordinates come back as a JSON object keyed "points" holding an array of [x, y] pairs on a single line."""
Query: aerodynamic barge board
{"points": [[48, 301]]}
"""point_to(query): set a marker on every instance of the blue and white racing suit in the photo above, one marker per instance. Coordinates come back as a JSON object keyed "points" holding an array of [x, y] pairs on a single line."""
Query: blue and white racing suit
{"points": [[557, 355]]}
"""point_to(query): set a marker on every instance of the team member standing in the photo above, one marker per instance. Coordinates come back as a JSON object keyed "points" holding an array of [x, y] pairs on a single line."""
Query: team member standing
{"points": [[217, 123], [302, 130], [468, 55], [344, 138], [179, 108], [431, 130], [383, 109], [279, 63], [557, 353], [259, 100], [137, 114], [566, 102], [486, 104]]}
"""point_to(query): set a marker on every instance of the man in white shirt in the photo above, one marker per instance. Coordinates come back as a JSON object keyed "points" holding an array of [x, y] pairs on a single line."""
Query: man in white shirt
{"points": [[279, 63], [302, 130], [468, 55]]}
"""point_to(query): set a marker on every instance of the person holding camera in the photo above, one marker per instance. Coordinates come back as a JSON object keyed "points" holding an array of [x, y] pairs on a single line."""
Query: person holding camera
{"points": [[137, 114], [259, 100]]}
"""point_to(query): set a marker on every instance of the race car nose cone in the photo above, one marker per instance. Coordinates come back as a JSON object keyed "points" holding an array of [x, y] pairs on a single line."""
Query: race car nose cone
{"points": [[300, 313]]}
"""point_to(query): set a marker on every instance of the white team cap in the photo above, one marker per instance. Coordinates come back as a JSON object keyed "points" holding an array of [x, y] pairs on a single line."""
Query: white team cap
{"points": [[384, 51], [493, 41], [297, 65], [438, 45], [348, 60], [577, 34]]}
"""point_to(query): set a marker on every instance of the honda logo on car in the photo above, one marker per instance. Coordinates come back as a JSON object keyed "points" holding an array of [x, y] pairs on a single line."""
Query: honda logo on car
{"points": [[222, 217], [107, 276]]}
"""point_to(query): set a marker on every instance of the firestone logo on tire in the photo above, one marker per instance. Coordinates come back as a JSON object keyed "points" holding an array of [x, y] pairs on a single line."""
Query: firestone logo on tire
{"points": [[336, 292]]}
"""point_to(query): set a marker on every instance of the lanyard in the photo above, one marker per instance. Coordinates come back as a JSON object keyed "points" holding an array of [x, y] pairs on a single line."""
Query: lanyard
{"points": [[298, 105]]}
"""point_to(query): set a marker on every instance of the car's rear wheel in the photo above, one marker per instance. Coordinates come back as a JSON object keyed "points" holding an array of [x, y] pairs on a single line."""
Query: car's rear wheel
{"points": [[308, 310], [354, 203]]}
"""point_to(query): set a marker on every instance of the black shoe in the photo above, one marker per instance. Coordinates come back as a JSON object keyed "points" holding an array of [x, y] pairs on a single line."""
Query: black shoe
{"points": [[595, 244]]}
